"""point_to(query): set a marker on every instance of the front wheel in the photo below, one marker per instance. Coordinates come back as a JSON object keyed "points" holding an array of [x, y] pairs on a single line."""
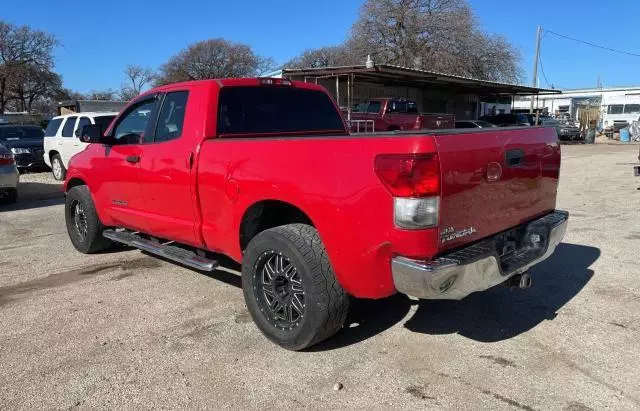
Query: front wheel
{"points": [[83, 225], [290, 288]]}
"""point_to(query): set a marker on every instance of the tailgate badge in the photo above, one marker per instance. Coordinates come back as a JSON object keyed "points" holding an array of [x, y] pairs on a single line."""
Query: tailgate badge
{"points": [[494, 171], [450, 233]]}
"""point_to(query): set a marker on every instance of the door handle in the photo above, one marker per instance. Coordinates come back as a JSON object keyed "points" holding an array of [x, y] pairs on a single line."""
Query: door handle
{"points": [[514, 158], [133, 159]]}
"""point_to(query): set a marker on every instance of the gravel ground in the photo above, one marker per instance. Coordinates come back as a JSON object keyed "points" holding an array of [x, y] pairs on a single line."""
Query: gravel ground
{"points": [[125, 330]]}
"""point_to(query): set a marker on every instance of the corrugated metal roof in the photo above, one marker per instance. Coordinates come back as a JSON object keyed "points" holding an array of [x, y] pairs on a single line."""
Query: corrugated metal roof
{"points": [[384, 72]]}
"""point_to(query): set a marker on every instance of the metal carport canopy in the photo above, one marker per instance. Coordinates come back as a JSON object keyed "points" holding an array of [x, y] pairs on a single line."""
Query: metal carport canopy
{"points": [[396, 75]]}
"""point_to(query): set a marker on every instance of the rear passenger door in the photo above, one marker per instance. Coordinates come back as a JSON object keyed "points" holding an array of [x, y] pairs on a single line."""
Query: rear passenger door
{"points": [[66, 140], [166, 173]]}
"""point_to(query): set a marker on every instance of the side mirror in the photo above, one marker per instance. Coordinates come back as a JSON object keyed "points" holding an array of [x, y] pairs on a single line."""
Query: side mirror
{"points": [[91, 133], [77, 133]]}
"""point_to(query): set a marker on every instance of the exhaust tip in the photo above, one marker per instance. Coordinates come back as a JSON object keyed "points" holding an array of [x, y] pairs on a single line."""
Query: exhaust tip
{"points": [[521, 281], [525, 281]]}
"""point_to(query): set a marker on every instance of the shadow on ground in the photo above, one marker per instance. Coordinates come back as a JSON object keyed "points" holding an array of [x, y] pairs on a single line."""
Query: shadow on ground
{"points": [[36, 195], [494, 315]]}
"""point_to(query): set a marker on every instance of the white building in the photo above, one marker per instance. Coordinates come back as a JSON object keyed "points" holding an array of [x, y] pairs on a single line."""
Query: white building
{"points": [[570, 102]]}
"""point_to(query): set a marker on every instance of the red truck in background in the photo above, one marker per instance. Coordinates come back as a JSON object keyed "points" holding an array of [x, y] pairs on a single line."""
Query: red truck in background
{"points": [[391, 114], [265, 171]]}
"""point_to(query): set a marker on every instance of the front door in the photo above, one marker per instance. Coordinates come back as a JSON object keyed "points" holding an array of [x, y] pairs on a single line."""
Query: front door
{"points": [[166, 173], [120, 166]]}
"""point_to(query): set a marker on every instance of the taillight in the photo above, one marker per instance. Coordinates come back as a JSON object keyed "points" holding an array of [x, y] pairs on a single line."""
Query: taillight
{"points": [[413, 175], [414, 182], [6, 159]]}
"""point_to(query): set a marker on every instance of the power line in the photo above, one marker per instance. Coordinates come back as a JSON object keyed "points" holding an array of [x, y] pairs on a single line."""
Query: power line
{"points": [[593, 44], [544, 74]]}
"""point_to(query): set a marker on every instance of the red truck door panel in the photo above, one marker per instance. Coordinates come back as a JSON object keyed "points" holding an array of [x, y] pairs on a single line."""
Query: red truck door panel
{"points": [[120, 188], [491, 180], [165, 173], [119, 168]]}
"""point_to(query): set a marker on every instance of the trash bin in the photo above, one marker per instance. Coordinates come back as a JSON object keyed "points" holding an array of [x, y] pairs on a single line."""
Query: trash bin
{"points": [[625, 135]]}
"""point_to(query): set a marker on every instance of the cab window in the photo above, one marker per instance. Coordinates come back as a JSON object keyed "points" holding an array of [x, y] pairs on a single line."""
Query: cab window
{"points": [[171, 118], [133, 125]]}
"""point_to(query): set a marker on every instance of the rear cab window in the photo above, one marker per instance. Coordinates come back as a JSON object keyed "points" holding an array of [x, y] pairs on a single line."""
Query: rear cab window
{"points": [[275, 110], [52, 127]]}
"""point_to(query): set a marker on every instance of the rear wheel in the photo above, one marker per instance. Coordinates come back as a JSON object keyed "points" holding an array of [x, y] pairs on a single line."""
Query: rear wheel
{"points": [[290, 289], [83, 225], [57, 168]]}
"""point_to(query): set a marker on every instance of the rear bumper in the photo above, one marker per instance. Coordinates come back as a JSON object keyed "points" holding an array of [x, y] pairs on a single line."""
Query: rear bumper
{"points": [[9, 177], [475, 268]]}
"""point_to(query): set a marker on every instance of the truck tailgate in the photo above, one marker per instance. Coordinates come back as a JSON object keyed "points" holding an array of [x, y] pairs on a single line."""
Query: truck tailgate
{"points": [[494, 180]]}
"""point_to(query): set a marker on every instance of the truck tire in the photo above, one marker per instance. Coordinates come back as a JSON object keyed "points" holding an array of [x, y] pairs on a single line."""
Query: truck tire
{"points": [[83, 225], [290, 289], [57, 168]]}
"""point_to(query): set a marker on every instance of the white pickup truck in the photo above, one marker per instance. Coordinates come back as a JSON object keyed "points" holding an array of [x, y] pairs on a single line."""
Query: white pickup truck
{"points": [[62, 138]]}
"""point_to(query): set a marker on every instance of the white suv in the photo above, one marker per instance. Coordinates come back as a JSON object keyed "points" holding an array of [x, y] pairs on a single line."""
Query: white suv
{"points": [[62, 138]]}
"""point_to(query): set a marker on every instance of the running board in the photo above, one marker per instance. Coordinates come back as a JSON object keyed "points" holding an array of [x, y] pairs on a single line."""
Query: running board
{"points": [[170, 252]]}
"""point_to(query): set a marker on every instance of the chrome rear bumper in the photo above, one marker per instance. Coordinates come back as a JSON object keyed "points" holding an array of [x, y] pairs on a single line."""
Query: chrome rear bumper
{"points": [[453, 278]]}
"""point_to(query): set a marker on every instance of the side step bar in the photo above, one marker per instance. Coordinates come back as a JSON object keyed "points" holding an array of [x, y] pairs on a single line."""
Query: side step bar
{"points": [[170, 252]]}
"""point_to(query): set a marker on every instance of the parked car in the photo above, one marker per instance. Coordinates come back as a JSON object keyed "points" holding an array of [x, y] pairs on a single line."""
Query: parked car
{"points": [[565, 131], [273, 179], [508, 120], [62, 138], [26, 144], [390, 114], [474, 124], [9, 176]]}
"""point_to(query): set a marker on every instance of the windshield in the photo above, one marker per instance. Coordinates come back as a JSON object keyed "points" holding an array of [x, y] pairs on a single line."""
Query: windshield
{"points": [[615, 109], [8, 133], [484, 124], [632, 108], [550, 122]]}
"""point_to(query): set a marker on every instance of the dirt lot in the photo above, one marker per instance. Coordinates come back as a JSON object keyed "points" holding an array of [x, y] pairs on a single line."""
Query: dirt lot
{"points": [[124, 330]]}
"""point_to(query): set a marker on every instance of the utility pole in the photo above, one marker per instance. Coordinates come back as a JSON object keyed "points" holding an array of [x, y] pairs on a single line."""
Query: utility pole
{"points": [[534, 83]]}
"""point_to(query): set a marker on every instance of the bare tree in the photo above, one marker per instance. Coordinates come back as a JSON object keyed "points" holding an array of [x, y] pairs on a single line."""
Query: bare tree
{"points": [[436, 35], [325, 57], [107, 95], [31, 83], [21, 46], [214, 58], [138, 77]]}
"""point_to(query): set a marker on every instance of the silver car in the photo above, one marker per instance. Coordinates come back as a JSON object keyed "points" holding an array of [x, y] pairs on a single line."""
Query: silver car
{"points": [[9, 177]]}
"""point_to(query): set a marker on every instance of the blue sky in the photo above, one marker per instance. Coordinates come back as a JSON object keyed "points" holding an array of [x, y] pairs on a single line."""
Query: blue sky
{"points": [[100, 38]]}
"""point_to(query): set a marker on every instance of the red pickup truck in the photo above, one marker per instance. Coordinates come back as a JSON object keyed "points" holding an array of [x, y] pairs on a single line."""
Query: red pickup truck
{"points": [[391, 114], [265, 171]]}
